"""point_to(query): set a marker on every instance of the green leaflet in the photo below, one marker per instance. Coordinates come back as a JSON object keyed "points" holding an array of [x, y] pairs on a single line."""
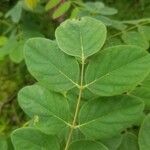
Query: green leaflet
{"points": [[129, 142], [32, 139], [87, 145], [81, 38], [16, 54], [15, 12], [75, 13], [51, 67], [113, 42], [108, 11], [144, 134], [7, 48], [110, 22], [116, 114], [39, 102], [116, 70], [99, 8], [113, 142], [145, 31], [135, 38], [143, 91], [94, 7], [62, 9], [51, 4]]}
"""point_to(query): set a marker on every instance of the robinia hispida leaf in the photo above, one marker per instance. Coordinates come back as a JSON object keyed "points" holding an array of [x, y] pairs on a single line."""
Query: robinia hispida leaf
{"points": [[67, 66]]}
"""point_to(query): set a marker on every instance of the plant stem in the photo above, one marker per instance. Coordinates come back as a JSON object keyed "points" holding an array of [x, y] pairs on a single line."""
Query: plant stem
{"points": [[129, 29], [77, 106]]}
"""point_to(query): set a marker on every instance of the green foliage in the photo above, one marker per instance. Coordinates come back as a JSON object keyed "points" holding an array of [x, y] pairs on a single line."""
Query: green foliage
{"points": [[40, 140], [129, 141], [72, 39], [100, 8], [109, 109], [135, 38], [15, 12], [87, 145], [143, 92], [62, 9], [65, 76], [69, 71], [20, 23], [144, 134], [118, 75], [51, 4]]}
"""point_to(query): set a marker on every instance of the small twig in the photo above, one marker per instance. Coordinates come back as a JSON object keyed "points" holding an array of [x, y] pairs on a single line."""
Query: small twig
{"points": [[129, 29]]}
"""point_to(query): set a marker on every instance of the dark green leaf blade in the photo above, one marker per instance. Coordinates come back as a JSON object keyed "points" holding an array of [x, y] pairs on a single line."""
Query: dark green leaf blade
{"points": [[117, 70], [113, 142], [81, 38], [129, 141], [51, 4], [15, 12], [144, 134], [39, 102], [50, 66], [87, 145], [107, 117], [143, 91], [145, 31], [135, 38], [32, 139], [62, 9]]}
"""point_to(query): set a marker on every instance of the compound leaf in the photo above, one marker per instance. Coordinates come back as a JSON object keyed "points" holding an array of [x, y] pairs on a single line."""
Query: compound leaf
{"points": [[32, 139], [116, 70], [50, 66], [116, 114], [81, 38]]}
